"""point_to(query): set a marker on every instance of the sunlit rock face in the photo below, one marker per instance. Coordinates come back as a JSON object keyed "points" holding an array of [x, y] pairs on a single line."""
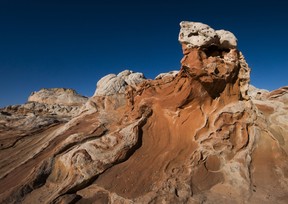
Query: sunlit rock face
{"points": [[197, 135]]}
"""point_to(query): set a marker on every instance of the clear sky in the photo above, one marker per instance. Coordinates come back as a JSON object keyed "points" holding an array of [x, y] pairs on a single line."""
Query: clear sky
{"points": [[72, 44]]}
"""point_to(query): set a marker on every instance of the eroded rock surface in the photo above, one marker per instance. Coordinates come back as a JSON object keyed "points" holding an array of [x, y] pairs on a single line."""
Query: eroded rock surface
{"points": [[199, 135]]}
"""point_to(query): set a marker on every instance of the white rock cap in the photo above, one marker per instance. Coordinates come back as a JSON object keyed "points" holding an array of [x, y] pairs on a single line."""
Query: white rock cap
{"points": [[195, 34]]}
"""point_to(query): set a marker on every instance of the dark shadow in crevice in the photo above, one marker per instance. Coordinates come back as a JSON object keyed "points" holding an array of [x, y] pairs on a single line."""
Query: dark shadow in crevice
{"points": [[215, 88], [67, 198], [215, 51]]}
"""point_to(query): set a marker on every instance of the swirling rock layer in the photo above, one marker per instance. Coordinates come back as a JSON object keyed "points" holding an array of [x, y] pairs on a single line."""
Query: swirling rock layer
{"points": [[199, 135]]}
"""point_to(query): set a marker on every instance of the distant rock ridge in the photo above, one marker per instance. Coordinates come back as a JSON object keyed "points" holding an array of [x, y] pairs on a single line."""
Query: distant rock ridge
{"points": [[57, 96], [197, 135]]}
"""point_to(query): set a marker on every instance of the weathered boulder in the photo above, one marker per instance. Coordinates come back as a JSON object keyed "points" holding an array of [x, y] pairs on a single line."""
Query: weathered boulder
{"points": [[168, 75], [227, 39], [116, 84]]}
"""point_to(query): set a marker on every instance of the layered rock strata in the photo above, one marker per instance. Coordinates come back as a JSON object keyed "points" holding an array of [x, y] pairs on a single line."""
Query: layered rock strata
{"points": [[199, 135]]}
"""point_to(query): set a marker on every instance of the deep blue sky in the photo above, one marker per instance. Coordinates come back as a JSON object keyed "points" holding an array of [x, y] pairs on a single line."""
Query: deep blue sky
{"points": [[72, 44]]}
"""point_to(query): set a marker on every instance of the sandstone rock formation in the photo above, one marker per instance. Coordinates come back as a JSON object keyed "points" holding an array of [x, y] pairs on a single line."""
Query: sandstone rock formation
{"points": [[199, 135]]}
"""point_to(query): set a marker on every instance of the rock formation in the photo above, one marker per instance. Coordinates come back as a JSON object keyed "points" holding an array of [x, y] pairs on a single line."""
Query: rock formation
{"points": [[200, 135]]}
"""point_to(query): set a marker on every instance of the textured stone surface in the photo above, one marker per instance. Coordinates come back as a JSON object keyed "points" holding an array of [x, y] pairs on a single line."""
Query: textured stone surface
{"points": [[196, 136], [258, 94], [197, 34]]}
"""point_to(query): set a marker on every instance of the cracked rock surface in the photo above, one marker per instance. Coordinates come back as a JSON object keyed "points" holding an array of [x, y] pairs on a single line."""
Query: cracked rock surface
{"points": [[197, 135]]}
